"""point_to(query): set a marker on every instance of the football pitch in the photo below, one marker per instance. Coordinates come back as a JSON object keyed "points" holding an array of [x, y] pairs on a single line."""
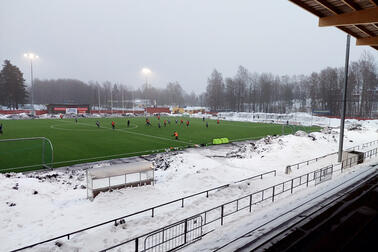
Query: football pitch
{"points": [[82, 141]]}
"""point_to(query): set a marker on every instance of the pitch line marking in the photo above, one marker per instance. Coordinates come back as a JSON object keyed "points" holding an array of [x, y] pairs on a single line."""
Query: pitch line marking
{"points": [[136, 133]]}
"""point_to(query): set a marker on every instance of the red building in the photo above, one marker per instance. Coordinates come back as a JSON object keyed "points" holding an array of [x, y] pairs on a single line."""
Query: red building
{"points": [[152, 110]]}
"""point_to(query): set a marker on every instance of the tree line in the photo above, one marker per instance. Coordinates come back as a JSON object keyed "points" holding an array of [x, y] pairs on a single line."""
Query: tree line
{"points": [[265, 92], [244, 92], [108, 94]]}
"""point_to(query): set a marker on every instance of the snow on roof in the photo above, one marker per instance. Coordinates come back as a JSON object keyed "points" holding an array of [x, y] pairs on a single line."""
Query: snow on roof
{"points": [[119, 169]]}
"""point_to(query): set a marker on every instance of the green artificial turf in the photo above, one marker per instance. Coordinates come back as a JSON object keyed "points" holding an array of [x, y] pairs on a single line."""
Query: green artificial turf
{"points": [[83, 142]]}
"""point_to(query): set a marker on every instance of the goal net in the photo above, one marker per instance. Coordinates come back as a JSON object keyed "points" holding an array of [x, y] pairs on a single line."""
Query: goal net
{"points": [[25, 154]]}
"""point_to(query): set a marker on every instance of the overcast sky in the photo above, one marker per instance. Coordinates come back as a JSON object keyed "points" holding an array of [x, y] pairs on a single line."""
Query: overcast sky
{"points": [[179, 40]]}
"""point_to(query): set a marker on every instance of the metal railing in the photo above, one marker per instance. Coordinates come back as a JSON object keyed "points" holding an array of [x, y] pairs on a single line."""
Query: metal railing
{"points": [[314, 160], [151, 210], [218, 214]]}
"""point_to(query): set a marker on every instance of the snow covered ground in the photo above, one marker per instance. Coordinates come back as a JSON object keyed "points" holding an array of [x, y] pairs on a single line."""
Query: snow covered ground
{"points": [[39, 206]]}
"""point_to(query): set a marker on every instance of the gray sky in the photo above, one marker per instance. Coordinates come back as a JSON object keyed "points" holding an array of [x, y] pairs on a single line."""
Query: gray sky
{"points": [[179, 40]]}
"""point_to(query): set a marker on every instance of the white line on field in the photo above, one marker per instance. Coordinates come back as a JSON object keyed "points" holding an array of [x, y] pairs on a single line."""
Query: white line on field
{"points": [[136, 133]]}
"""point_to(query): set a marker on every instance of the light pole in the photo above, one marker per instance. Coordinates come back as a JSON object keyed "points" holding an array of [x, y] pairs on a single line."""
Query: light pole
{"points": [[31, 56]]}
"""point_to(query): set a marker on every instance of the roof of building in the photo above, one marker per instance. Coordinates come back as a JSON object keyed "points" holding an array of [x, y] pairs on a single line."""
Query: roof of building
{"points": [[359, 18]]}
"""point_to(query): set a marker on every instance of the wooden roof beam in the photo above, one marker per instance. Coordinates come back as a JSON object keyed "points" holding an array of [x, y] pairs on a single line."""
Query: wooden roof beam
{"points": [[372, 41], [365, 16]]}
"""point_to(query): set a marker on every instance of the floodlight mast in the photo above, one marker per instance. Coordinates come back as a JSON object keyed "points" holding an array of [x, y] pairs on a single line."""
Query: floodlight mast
{"points": [[342, 119], [31, 56]]}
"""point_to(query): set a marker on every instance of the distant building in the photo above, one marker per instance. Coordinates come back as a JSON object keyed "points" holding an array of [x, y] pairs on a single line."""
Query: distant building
{"points": [[68, 108], [158, 110]]}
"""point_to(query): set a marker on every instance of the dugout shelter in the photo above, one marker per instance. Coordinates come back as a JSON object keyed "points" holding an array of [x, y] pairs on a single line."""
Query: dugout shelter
{"points": [[106, 178]]}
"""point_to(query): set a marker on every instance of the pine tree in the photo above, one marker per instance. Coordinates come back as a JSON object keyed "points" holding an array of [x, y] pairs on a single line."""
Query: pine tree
{"points": [[12, 87]]}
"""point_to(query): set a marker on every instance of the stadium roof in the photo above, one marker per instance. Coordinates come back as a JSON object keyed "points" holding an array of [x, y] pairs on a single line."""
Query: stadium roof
{"points": [[359, 18]]}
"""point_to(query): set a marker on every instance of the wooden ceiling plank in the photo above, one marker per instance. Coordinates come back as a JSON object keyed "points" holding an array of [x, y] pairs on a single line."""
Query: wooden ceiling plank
{"points": [[328, 6], [307, 8], [351, 4], [375, 2], [365, 16], [364, 30], [372, 41]]}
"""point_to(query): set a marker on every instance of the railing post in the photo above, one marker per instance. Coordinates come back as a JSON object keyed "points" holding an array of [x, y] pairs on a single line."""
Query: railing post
{"points": [[273, 194], [292, 182], [207, 194], [307, 180], [222, 211], [237, 205], [250, 203], [185, 230], [182, 202], [152, 212], [136, 245]]}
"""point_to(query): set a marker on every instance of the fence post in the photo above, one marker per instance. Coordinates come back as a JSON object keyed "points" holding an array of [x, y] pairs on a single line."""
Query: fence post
{"points": [[152, 212], [185, 230], [275, 172], [307, 180], [250, 203], [273, 194], [292, 182], [222, 209], [207, 194], [182, 202], [136, 245]]}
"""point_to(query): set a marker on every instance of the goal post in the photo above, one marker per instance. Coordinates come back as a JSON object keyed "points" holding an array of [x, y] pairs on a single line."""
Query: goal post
{"points": [[23, 154]]}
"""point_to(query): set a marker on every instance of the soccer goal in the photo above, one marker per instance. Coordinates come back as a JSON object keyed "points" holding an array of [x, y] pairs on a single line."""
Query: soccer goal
{"points": [[23, 154]]}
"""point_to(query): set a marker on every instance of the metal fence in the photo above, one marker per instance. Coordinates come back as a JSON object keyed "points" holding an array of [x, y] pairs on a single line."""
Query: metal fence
{"points": [[217, 214], [152, 210], [314, 160]]}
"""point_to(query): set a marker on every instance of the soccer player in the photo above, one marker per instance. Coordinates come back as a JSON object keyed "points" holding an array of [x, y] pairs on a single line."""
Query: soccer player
{"points": [[182, 121], [165, 123], [218, 121], [75, 119], [98, 124], [148, 123], [1, 128], [187, 123], [175, 134], [61, 116], [159, 125], [128, 123], [158, 117], [203, 119], [169, 122], [113, 125], [176, 121], [207, 125]]}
